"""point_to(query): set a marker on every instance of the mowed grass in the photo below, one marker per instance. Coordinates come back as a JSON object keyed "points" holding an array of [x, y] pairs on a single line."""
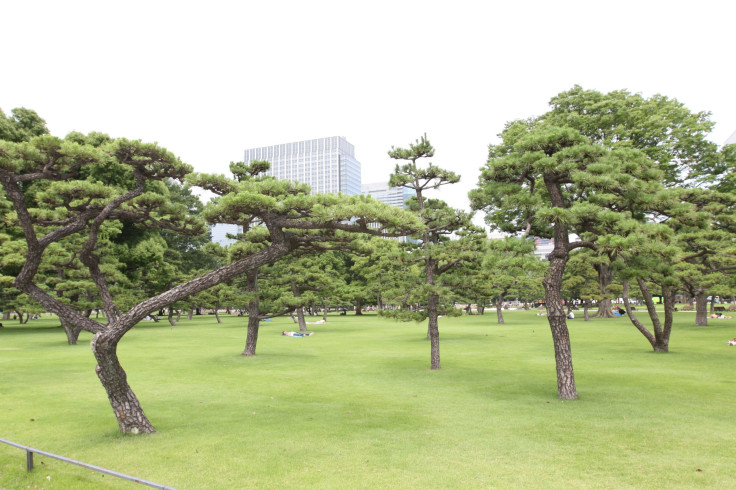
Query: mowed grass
{"points": [[356, 406]]}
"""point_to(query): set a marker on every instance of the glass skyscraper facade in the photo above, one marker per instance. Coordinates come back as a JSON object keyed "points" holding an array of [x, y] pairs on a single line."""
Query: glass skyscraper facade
{"points": [[395, 196], [328, 165]]}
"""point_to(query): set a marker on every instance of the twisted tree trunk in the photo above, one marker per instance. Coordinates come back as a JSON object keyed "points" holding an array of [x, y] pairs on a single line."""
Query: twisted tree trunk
{"points": [[72, 332], [659, 339], [553, 297], [558, 326], [499, 309], [605, 278], [125, 405]]}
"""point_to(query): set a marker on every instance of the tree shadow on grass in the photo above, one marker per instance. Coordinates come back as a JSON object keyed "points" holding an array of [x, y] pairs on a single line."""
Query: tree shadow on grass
{"points": [[20, 330]]}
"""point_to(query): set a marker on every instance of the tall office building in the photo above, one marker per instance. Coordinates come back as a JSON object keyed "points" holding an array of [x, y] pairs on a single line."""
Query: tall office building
{"points": [[395, 196], [328, 165]]}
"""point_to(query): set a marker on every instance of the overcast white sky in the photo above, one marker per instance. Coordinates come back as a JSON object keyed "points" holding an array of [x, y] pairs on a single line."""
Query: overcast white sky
{"points": [[208, 79]]}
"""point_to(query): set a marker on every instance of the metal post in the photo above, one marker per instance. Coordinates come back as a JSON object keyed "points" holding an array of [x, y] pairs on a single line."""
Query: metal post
{"points": [[29, 460]]}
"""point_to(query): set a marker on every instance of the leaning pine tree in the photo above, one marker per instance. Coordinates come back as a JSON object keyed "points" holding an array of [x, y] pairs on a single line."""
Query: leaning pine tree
{"points": [[63, 187]]}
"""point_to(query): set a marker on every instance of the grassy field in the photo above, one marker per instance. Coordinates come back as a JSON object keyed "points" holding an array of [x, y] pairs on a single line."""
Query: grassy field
{"points": [[356, 406]]}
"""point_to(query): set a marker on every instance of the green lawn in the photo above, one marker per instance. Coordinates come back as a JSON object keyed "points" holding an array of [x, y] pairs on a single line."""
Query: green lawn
{"points": [[356, 406]]}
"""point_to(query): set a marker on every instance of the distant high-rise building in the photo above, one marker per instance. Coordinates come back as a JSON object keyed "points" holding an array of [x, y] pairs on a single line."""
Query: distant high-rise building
{"points": [[328, 165], [395, 196]]}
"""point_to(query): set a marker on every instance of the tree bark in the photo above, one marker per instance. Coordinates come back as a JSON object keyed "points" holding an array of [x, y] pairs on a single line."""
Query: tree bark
{"points": [[433, 300], [72, 332], [499, 309], [299, 311], [668, 296], [434, 331], [217, 315], [701, 308], [661, 343], [170, 316], [560, 335], [660, 338], [125, 405], [553, 296], [358, 307], [251, 338], [190, 313], [254, 312], [605, 278], [300, 319]]}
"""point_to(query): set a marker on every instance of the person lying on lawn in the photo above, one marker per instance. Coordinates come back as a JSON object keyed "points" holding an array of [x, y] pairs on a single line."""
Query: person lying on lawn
{"points": [[297, 334]]}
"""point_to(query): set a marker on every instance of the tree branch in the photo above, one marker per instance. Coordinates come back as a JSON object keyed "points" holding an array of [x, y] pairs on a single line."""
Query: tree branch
{"points": [[580, 244]]}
